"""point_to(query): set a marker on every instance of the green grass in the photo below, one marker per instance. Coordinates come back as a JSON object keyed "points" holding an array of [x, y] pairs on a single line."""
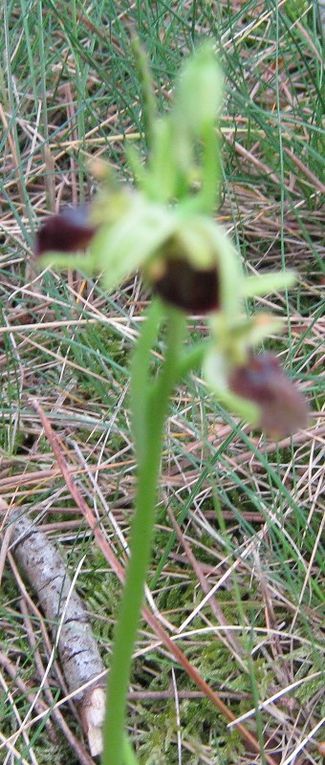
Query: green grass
{"points": [[250, 511]]}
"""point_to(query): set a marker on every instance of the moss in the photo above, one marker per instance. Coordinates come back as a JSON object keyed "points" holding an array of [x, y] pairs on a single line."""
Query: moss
{"points": [[295, 8], [201, 727]]}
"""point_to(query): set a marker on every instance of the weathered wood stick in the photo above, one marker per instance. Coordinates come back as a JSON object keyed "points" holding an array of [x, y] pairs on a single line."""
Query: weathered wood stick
{"points": [[44, 568]]}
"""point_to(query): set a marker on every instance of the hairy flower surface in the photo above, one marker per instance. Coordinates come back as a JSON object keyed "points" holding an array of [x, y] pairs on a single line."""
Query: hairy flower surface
{"points": [[283, 409], [191, 289], [68, 231]]}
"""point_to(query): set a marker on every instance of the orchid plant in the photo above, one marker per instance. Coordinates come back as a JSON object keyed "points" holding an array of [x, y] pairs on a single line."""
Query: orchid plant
{"points": [[163, 227]]}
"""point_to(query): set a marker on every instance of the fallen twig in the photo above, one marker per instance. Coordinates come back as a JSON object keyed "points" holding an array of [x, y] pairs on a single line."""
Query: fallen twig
{"points": [[80, 658]]}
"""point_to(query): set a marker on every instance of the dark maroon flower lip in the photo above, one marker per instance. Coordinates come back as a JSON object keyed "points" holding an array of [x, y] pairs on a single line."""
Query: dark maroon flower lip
{"points": [[68, 231], [191, 289], [263, 381]]}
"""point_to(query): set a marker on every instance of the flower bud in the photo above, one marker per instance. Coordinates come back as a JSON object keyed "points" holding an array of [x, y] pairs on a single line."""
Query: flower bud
{"points": [[200, 90], [283, 409], [68, 231]]}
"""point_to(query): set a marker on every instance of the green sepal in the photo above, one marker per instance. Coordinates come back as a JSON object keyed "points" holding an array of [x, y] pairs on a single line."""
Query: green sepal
{"points": [[253, 286], [76, 260], [121, 249], [229, 268]]}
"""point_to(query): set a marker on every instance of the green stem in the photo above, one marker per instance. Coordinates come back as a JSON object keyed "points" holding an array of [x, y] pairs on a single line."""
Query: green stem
{"points": [[192, 359], [149, 107], [140, 543], [140, 376], [129, 757]]}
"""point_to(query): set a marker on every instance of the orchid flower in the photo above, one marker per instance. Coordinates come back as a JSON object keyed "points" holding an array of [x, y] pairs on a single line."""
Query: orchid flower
{"points": [[163, 227]]}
